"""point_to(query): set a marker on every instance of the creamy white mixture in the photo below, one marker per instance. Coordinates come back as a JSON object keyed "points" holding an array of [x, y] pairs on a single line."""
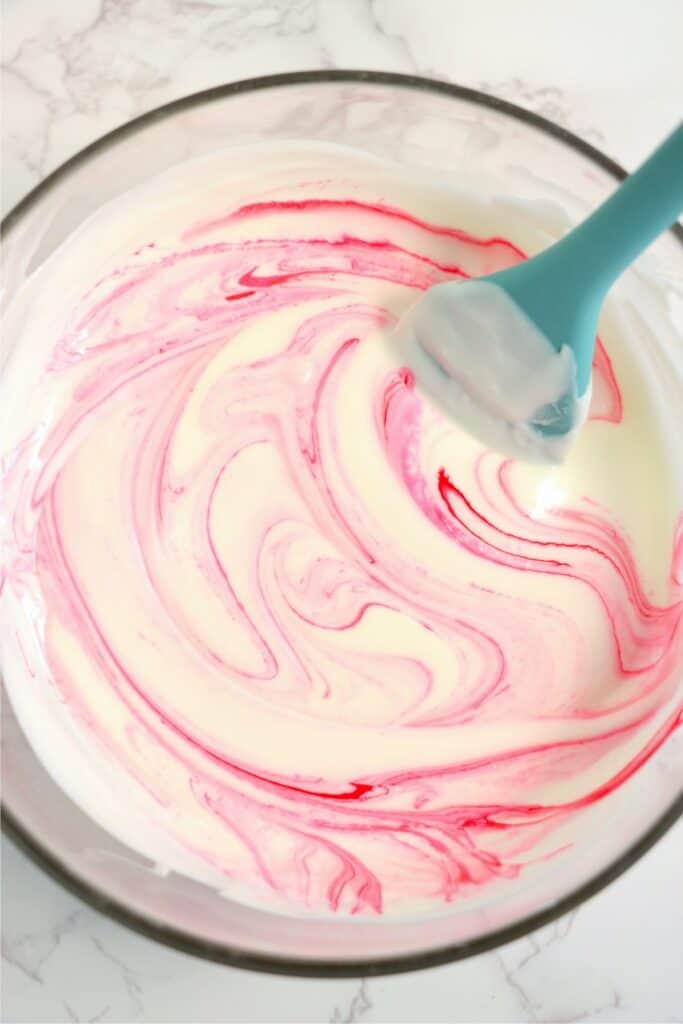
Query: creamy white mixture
{"points": [[267, 613]]}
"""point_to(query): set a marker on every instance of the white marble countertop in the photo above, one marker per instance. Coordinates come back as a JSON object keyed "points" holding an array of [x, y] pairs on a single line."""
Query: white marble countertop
{"points": [[74, 69]]}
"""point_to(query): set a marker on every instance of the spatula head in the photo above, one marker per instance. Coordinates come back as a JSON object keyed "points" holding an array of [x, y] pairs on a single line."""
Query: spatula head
{"points": [[481, 358]]}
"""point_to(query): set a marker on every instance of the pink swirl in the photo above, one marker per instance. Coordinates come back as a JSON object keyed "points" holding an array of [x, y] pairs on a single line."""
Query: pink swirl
{"points": [[212, 552]]}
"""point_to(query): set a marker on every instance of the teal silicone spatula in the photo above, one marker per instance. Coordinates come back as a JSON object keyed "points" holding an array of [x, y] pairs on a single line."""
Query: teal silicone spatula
{"points": [[509, 355]]}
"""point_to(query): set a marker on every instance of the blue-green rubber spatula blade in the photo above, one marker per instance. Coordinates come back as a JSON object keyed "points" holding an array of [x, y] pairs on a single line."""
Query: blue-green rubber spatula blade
{"points": [[509, 355]]}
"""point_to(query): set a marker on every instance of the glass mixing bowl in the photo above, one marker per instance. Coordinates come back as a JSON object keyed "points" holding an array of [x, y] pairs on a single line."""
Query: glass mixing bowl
{"points": [[420, 123]]}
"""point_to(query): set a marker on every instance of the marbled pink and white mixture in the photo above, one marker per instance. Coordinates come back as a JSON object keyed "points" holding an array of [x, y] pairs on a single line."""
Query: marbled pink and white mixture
{"points": [[267, 614]]}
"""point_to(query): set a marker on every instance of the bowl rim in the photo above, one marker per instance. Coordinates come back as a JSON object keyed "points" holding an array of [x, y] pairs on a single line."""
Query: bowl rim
{"points": [[218, 952]]}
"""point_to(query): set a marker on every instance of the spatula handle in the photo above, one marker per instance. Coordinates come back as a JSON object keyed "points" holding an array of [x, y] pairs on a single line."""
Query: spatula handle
{"points": [[646, 204]]}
